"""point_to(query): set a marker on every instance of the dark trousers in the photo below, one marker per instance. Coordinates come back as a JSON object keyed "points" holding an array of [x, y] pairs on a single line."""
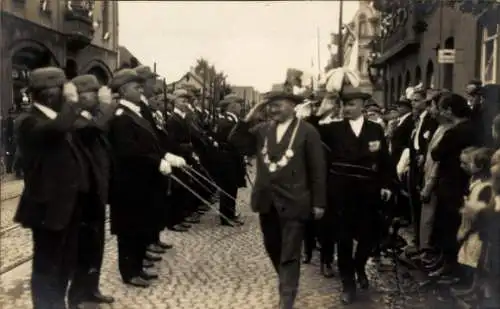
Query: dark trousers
{"points": [[310, 235], [85, 281], [283, 243], [54, 259], [131, 252], [327, 238], [227, 204]]}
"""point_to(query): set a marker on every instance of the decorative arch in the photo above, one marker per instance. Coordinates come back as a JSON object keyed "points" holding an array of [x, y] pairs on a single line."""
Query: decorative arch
{"points": [[99, 69], [429, 75], [418, 75], [47, 55]]}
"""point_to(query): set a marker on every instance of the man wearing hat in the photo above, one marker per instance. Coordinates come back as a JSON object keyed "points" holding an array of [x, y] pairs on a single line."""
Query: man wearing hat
{"points": [[290, 183], [90, 137], [141, 164], [156, 246], [50, 204], [231, 164], [359, 178], [400, 137], [178, 128]]}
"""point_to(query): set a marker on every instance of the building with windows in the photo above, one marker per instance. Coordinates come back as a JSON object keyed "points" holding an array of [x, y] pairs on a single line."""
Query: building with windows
{"points": [[80, 36], [412, 33], [362, 30]]}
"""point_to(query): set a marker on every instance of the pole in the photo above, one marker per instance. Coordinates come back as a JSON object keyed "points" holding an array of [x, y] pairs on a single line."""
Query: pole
{"points": [[340, 49], [154, 67], [203, 92], [318, 50], [441, 46]]}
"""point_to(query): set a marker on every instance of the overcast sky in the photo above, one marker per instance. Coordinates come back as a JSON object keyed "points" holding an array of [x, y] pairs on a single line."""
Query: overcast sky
{"points": [[252, 42]]}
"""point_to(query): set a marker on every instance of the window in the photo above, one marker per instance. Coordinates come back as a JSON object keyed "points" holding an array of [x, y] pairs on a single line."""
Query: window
{"points": [[363, 26], [489, 54]]}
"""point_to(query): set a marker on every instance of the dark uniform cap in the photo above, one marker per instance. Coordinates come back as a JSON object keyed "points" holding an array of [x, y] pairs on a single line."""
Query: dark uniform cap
{"points": [[123, 77], [145, 72], [48, 77], [229, 99], [86, 83], [182, 93]]}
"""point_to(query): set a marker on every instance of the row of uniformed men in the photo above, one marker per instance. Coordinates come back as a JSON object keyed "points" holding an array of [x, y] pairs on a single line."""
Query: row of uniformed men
{"points": [[82, 150]]}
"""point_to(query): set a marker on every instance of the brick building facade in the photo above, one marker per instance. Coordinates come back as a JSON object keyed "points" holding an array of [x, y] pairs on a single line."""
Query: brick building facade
{"points": [[80, 36]]}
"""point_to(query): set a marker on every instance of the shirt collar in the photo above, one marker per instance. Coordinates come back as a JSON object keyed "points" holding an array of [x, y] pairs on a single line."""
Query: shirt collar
{"points": [[232, 116], [179, 112], [47, 111], [359, 120], [144, 100], [285, 123], [136, 109]]}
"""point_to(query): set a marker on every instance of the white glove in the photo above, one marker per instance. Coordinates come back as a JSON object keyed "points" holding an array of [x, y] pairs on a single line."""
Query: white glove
{"points": [[174, 160], [385, 194], [104, 95], [70, 92], [404, 163], [165, 167], [195, 157]]}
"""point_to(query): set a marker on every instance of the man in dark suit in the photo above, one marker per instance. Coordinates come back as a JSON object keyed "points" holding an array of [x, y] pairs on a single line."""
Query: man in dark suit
{"points": [[90, 137], [231, 164], [360, 175], [141, 165], [156, 246], [51, 202], [290, 183], [424, 128], [400, 137], [179, 128]]}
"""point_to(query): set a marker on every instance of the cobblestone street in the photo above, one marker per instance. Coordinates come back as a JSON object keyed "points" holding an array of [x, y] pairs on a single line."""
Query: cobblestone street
{"points": [[210, 267]]}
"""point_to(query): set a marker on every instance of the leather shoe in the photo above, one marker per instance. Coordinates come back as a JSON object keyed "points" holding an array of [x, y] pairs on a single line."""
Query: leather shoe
{"points": [[148, 264], [138, 282], [363, 280], [152, 257], [307, 258], [148, 275], [185, 225], [98, 297], [192, 220], [327, 270], [156, 249], [164, 245], [178, 228], [347, 297]]}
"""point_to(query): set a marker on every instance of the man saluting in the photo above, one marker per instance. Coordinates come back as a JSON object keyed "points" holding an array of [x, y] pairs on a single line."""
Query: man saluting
{"points": [[290, 183]]}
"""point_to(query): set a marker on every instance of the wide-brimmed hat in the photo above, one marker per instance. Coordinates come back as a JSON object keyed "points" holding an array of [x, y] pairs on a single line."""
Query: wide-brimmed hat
{"points": [[273, 96], [351, 93], [145, 72]]}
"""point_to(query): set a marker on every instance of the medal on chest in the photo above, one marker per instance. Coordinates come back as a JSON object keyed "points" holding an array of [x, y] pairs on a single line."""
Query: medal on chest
{"points": [[274, 166]]}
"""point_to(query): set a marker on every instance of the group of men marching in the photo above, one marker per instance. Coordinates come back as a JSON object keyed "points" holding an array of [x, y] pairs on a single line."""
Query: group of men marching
{"points": [[85, 146]]}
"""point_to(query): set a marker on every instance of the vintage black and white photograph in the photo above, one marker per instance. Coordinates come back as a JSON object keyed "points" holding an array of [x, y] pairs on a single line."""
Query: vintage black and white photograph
{"points": [[250, 154]]}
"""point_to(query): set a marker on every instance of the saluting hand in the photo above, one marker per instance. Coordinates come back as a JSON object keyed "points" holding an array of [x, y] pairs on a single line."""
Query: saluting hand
{"points": [[104, 95], [70, 93]]}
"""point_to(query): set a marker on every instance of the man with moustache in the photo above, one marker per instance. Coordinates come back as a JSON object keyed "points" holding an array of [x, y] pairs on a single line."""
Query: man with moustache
{"points": [[359, 176], [55, 181], [290, 183], [141, 165], [90, 137]]}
